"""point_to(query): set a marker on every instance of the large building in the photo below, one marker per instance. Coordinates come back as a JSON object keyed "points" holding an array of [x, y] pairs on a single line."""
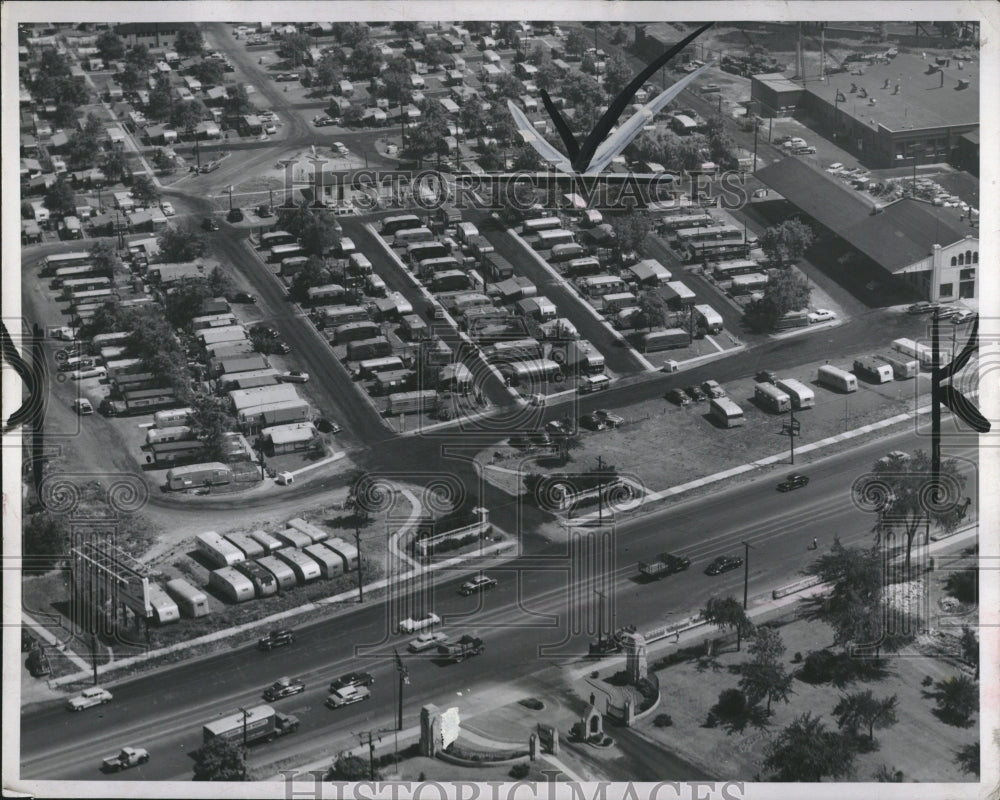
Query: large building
{"points": [[909, 243], [889, 113], [151, 34]]}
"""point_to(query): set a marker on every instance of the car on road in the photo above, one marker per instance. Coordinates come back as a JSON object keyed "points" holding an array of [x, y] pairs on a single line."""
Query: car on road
{"points": [[804, 150], [88, 698], [279, 638], [323, 121], [295, 376], [128, 757], [821, 315], [592, 422], [609, 419], [766, 376], [695, 393], [167, 209], [478, 584], [708, 88], [922, 307], [835, 167], [414, 624], [427, 641], [713, 389], [723, 564], [782, 139], [242, 297], [960, 317], [794, 481], [340, 147], [281, 348], [348, 696], [209, 224], [794, 143], [284, 687], [352, 679], [679, 397], [324, 425], [265, 331]]}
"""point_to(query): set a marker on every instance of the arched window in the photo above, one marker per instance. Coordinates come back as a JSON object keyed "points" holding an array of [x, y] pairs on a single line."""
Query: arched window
{"points": [[968, 256], [954, 261], [975, 257], [961, 259]]}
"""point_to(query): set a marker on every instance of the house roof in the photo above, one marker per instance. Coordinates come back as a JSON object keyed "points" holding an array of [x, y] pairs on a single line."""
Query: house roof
{"points": [[900, 235]]}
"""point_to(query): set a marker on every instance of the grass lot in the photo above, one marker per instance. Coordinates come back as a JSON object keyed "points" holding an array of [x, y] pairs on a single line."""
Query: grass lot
{"points": [[920, 744]]}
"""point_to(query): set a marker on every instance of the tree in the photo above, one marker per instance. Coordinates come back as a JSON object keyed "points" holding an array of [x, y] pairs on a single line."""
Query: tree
{"points": [[209, 72], [181, 244], [907, 505], [631, 230], [576, 42], [65, 116], [294, 47], [806, 752], [617, 74], [104, 256], [787, 290], [397, 81], [114, 166], [853, 606], [211, 424], [189, 41], [161, 99], [350, 34], [59, 198], [130, 78], [969, 643], [45, 538], [957, 700], [138, 56], [219, 760], [764, 675], [161, 161], [329, 70], [144, 192], [352, 769], [967, 758], [365, 61], [84, 147], [526, 158], [110, 46], [539, 55], [407, 30], [238, 101], [864, 709], [185, 116], [652, 310], [727, 613], [786, 242], [588, 64], [507, 32]]}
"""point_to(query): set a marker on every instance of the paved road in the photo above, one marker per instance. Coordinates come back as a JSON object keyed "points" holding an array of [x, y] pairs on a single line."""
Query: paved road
{"points": [[549, 624]]}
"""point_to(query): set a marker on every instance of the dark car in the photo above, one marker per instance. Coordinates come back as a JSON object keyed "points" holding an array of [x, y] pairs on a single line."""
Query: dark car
{"points": [[677, 396], [276, 639], [723, 564], [282, 348], [28, 641], [352, 679], [675, 563], [236, 215], [695, 393], [793, 481], [264, 212], [209, 224], [265, 331], [242, 297], [609, 419], [324, 425], [284, 687], [922, 308], [766, 376], [556, 428], [592, 422]]}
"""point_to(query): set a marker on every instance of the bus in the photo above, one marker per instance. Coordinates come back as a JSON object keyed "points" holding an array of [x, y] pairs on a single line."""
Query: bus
{"points": [[356, 331], [839, 379], [567, 251], [450, 280], [550, 238], [725, 270], [422, 251], [431, 266], [540, 224], [370, 367], [218, 551], [282, 251], [408, 236], [269, 241], [726, 412], [533, 372], [72, 285], [716, 233], [771, 398], [391, 225], [66, 273], [802, 396], [59, 260], [192, 602]]}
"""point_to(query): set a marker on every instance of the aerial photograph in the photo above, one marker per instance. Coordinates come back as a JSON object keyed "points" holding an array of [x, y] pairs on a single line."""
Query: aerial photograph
{"points": [[535, 403]]}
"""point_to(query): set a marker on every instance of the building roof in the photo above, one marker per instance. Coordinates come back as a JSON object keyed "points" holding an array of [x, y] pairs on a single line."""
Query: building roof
{"points": [[903, 233], [922, 102], [244, 399], [290, 434], [777, 82]]}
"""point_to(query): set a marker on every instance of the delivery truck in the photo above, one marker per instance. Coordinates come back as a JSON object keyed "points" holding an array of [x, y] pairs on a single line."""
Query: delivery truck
{"points": [[664, 564], [260, 723], [462, 648]]}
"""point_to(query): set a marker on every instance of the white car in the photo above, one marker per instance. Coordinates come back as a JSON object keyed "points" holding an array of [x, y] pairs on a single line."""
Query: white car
{"points": [[821, 315], [294, 377], [167, 209], [63, 333], [411, 625], [95, 696], [794, 142], [426, 641], [347, 696], [340, 147], [835, 167]]}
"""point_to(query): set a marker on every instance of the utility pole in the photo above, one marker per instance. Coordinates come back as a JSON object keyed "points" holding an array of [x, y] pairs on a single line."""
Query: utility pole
{"points": [[404, 680], [371, 751], [245, 752], [756, 127], [600, 492], [357, 545], [747, 547], [600, 616], [935, 400]]}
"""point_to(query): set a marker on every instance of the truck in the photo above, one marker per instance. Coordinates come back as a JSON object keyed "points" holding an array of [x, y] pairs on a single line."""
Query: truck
{"points": [[462, 648], [664, 564], [128, 757], [255, 724]]}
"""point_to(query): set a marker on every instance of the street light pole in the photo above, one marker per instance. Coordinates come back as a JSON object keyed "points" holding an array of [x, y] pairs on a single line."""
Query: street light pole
{"points": [[747, 547], [357, 545]]}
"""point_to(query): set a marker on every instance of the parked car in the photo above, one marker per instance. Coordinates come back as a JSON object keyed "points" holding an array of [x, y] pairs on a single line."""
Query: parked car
{"points": [[209, 224], [609, 419], [348, 696], [766, 376], [340, 147], [322, 121], [592, 422], [960, 317], [427, 641], [478, 584], [414, 624], [922, 307], [713, 389], [794, 481], [723, 564], [835, 167], [679, 397], [805, 150], [556, 428], [95, 696], [821, 315], [695, 393], [264, 212], [167, 209], [281, 348], [294, 376], [324, 425], [708, 88], [352, 679], [284, 687], [265, 331], [242, 297], [279, 638]]}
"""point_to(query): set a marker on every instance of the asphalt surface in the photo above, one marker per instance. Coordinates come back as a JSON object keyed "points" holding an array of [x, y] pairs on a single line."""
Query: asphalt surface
{"points": [[548, 623]]}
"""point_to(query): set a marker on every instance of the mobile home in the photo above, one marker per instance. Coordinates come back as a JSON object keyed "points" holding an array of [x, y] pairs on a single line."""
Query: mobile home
{"points": [[726, 412], [232, 585], [217, 550], [191, 601], [801, 395], [838, 379]]}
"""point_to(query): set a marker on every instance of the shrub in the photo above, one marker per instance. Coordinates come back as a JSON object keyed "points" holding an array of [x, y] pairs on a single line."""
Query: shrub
{"points": [[595, 674], [964, 585], [578, 731], [711, 720], [732, 703], [533, 703], [663, 721], [927, 681], [797, 658], [520, 771]]}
